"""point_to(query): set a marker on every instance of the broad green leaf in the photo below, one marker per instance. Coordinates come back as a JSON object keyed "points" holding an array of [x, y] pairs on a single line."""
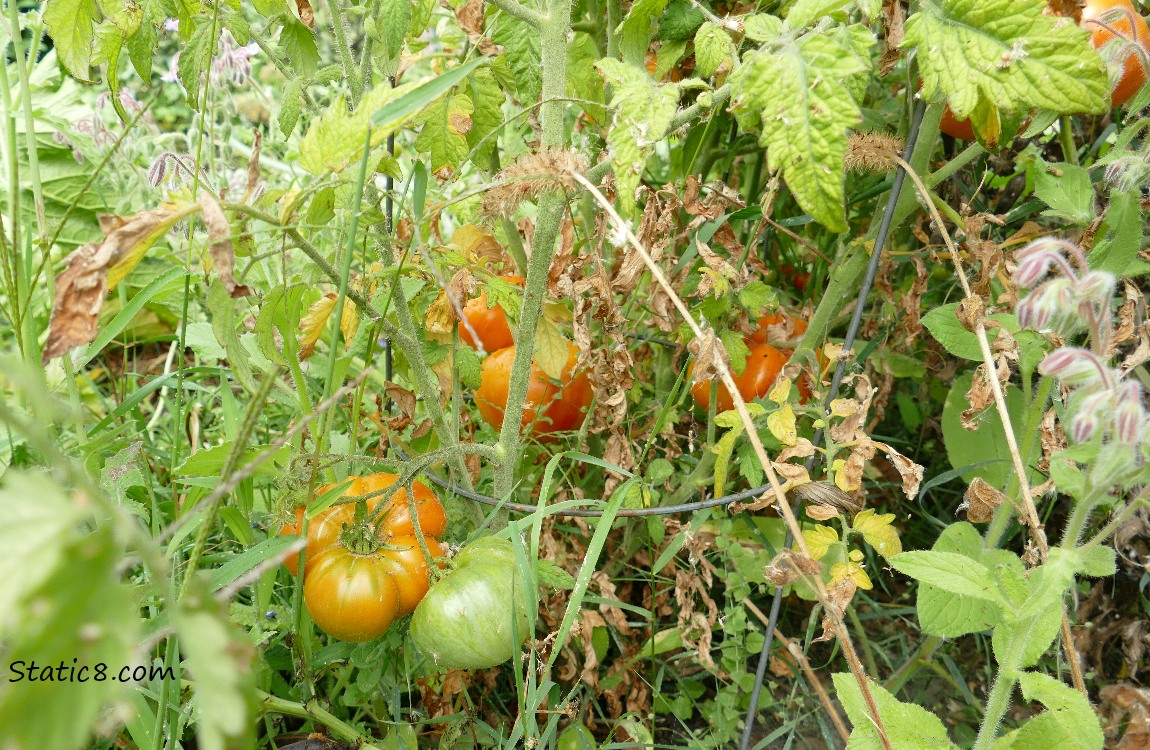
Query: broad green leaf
{"points": [[1067, 189], [909, 727], [72, 26], [220, 664], [62, 603], [819, 540], [391, 23], [443, 135], [643, 112], [298, 44], [712, 47], [336, 139], [949, 571], [583, 81], [1122, 236], [291, 102], [121, 472], [950, 615], [1099, 561], [487, 113], [761, 27], [211, 461], [248, 559], [802, 91], [1069, 721], [636, 30], [1008, 53], [679, 21], [965, 448], [737, 350], [805, 12], [946, 328]]}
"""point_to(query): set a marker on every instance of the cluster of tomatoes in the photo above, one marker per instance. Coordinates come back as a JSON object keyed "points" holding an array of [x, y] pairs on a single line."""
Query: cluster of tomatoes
{"points": [[356, 586], [365, 568], [1107, 20], [551, 407], [764, 363]]}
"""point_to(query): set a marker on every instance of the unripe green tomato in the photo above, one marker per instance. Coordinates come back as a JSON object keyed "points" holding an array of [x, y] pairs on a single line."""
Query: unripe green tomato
{"points": [[477, 616], [577, 737]]}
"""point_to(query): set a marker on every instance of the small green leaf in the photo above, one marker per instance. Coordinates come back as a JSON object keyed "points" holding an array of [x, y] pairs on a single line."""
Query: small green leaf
{"points": [[552, 576], [1067, 189], [298, 43], [637, 28], [712, 47], [195, 58]]}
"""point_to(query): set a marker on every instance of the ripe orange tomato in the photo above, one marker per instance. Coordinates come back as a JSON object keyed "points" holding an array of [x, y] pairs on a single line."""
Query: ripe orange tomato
{"points": [[350, 596], [562, 406], [394, 524], [490, 324], [764, 363], [954, 127], [1124, 19]]}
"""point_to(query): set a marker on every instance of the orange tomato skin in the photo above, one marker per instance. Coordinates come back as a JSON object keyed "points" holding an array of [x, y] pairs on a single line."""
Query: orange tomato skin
{"points": [[764, 363], [563, 406], [409, 570], [351, 597], [490, 325], [323, 530], [956, 128], [1133, 72]]}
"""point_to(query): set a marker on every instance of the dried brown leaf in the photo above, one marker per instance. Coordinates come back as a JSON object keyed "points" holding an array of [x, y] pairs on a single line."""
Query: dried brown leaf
{"points": [[980, 501]]}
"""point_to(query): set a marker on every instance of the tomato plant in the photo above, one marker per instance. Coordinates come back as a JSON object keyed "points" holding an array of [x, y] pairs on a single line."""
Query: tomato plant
{"points": [[489, 322], [394, 520], [1110, 20], [476, 616], [764, 363], [551, 407]]}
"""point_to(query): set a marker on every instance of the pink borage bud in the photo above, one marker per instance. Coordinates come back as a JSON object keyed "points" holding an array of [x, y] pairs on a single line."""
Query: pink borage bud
{"points": [[1091, 412], [1083, 426], [1130, 418], [1096, 286], [1074, 366], [1035, 260]]}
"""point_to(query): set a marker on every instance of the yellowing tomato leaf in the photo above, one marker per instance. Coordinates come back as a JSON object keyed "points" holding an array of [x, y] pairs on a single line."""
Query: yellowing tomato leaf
{"points": [[1010, 53], [853, 571], [781, 423], [819, 540], [805, 93], [878, 532], [551, 348]]}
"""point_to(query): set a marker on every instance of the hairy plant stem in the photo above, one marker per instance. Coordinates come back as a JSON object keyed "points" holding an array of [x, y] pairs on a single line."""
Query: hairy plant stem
{"points": [[999, 699], [556, 27], [1066, 139], [345, 59], [22, 66], [317, 713]]}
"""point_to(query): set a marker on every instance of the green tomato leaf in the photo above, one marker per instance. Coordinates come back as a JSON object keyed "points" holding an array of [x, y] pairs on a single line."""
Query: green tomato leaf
{"points": [[522, 48], [446, 124], [298, 44], [712, 47], [802, 91], [72, 26], [637, 28], [195, 58], [1067, 189], [1006, 52], [643, 112]]}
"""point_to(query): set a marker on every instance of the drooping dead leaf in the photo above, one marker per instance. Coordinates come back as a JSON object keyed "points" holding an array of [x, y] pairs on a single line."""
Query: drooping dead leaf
{"points": [[94, 269], [910, 472], [839, 595], [980, 501], [1125, 705], [306, 14], [710, 356], [439, 320], [221, 247], [980, 396], [970, 311], [254, 161], [826, 495], [789, 566]]}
